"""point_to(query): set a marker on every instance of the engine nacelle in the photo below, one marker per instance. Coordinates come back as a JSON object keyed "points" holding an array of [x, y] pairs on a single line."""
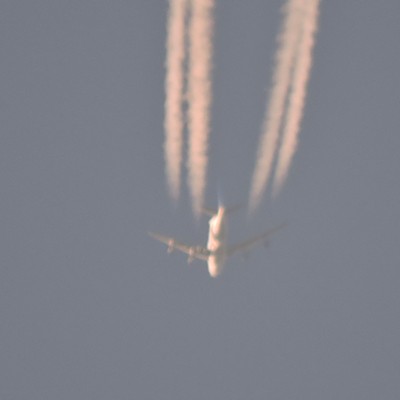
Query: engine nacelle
{"points": [[191, 256]]}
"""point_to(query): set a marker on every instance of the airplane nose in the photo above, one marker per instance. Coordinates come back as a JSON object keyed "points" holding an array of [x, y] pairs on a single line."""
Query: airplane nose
{"points": [[214, 274], [213, 269]]}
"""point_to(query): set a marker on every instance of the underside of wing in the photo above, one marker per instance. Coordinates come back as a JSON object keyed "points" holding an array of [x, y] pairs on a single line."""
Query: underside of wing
{"points": [[249, 244], [198, 252]]}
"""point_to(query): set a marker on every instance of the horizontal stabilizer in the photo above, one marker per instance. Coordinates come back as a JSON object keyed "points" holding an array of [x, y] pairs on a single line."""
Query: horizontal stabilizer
{"points": [[208, 211]]}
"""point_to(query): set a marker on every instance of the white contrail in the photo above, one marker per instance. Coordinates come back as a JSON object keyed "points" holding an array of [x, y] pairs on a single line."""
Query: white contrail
{"points": [[199, 96], [298, 94], [284, 59], [173, 122]]}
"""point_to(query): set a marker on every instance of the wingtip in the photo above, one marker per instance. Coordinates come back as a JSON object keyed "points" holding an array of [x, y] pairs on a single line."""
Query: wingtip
{"points": [[152, 234]]}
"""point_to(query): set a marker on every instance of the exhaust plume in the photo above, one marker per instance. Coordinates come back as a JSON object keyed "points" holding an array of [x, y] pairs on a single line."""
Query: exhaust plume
{"points": [[173, 120], [199, 95], [298, 94], [284, 58]]}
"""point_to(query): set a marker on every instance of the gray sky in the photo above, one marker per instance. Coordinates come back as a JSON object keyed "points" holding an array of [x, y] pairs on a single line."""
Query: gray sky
{"points": [[91, 307]]}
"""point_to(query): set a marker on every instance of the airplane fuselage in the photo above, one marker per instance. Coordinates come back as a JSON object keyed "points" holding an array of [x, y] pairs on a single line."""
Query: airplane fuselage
{"points": [[217, 250], [217, 242]]}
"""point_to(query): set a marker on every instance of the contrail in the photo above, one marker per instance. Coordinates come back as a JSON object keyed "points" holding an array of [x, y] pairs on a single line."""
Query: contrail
{"points": [[199, 96], [284, 58], [173, 121], [298, 94]]}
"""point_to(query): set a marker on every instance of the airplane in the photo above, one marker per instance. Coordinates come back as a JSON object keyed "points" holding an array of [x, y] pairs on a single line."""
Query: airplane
{"points": [[217, 250]]}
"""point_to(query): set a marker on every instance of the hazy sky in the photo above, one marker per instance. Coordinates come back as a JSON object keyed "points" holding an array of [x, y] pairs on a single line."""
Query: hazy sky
{"points": [[92, 308]]}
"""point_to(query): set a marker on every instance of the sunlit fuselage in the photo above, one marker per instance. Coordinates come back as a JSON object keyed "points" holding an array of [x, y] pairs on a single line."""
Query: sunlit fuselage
{"points": [[217, 242]]}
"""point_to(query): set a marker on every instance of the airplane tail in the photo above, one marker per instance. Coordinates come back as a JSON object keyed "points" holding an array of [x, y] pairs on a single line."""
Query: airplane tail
{"points": [[208, 211], [220, 196], [228, 210]]}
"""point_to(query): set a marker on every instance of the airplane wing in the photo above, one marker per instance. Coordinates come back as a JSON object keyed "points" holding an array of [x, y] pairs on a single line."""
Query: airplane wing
{"points": [[248, 244], [198, 252]]}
